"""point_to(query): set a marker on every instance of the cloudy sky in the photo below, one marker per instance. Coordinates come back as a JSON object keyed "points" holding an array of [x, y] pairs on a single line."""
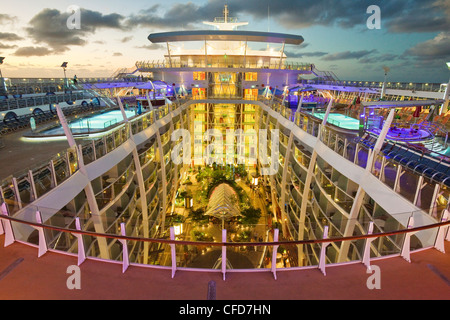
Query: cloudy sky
{"points": [[413, 39]]}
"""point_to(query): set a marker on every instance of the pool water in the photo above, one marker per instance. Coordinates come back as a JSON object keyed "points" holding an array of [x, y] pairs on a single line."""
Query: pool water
{"points": [[96, 122], [340, 120]]}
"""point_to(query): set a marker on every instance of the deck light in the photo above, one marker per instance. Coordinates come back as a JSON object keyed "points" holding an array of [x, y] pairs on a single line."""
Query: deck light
{"points": [[64, 66]]}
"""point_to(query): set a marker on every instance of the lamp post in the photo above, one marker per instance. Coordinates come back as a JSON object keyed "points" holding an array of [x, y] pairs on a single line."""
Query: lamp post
{"points": [[64, 66], [2, 81], [383, 89]]}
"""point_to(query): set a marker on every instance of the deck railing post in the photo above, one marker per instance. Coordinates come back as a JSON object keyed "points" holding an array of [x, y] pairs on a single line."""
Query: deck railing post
{"points": [[406, 249], [42, 243], [125, 258], [366, 257], [173, 252], [274, 253], [323, 251], [79, 236], [224, 253], [442, 231], [7, 226]]}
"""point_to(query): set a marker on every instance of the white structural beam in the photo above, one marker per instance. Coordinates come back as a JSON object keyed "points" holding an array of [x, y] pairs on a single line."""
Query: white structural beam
{"points": [[89, 191]]}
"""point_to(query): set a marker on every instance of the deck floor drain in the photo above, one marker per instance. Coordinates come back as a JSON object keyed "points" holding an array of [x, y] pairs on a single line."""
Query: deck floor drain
{"points": [[436, 271], [211, 290], [10, 268]]}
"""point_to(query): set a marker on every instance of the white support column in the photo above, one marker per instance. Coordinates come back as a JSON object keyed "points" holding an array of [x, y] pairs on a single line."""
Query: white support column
{"points": [[406, 249], [173, 252], [281, 56], [357, 148], [284, 96], [380, 140], [80, 243], [32, 184], [305, 202], [439, 244], [345, 153], [327, 112], [300, 102], [433, 200], [274, 253], [125, 256], [398, 175], [446, 99], [90, 195], [16, 192], [206, 54], [224, 254], [366, 257], [382, 176], [141, 185], [65, 126], [7, 227], [168, 51], [52, 169], [323, 251], [420, 186], [245, 54], [163, 180], [42, 242], [150, 106], [284, 181]]}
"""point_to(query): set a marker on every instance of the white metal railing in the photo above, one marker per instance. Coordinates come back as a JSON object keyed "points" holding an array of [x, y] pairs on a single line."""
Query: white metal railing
{"points": [[172, 264], [223, 63]]}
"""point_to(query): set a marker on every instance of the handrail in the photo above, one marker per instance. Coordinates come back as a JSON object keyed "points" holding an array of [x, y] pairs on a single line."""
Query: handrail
{"points": [[226, 244]]}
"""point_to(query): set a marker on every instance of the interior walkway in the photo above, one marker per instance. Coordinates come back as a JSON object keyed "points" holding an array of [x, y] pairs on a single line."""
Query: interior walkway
{"points": [[25, 276]]}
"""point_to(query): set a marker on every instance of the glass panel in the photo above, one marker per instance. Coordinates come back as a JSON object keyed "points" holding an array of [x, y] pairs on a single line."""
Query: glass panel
{"points": [[88, 153]]}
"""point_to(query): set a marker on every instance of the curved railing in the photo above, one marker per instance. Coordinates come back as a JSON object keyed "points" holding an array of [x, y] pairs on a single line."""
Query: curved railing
{"points": [[273, 252]]}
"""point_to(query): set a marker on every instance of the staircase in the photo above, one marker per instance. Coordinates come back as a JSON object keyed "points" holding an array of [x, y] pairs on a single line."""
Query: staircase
{"points": [[124, 72], [325, 75], [91, 93]]}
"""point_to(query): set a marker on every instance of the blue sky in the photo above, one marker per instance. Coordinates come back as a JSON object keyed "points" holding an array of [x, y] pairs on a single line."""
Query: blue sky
{"points": [[413, 41]]}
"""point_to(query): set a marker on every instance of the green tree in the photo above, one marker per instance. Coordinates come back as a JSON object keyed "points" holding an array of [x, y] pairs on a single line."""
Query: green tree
{"points": [[198, 216], [250, 216]]}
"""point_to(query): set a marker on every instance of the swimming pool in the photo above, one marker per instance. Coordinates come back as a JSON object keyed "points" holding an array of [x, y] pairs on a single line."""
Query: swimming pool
{"points": [[89, 124], [339, 120]]}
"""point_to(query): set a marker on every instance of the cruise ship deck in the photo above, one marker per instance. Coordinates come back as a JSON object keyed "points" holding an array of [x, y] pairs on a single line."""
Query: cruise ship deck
{"points": [[224, 172]]}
